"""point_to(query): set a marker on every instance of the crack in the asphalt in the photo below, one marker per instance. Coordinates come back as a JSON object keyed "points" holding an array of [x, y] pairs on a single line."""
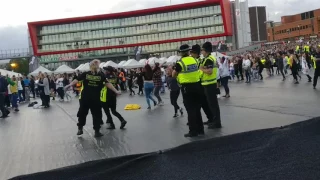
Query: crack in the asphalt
{"points": [[87, 131], [267, 110]]}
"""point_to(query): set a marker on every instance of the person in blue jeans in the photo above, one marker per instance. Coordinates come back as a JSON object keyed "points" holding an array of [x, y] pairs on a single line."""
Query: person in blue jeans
{"points": [[148, 85]]}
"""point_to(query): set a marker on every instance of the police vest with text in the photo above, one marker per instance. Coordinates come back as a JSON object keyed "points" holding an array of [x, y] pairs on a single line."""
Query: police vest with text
{"points": [[190, 71], [207, 79]]}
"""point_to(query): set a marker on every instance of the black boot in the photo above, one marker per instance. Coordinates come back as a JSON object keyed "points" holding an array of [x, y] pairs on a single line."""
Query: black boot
{"points": [[98, 134], [80, 132], [123, 124]]}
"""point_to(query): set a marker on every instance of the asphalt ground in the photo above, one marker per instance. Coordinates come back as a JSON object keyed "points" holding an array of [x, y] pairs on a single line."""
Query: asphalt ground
{"points": [[35, 140]]}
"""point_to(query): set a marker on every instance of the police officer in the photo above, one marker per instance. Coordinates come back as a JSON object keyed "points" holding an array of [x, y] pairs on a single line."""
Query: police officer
{"points": [[92, 84], [109, 99], [209, 69], [316, 65], [187, 73], [195, 53]]}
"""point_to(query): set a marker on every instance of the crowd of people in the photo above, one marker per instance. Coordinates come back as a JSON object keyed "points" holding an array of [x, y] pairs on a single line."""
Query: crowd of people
{"points": [[198, 76]]}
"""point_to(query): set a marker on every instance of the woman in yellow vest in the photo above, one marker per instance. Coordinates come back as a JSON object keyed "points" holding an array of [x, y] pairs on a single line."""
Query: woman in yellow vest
{"points": [[109, 99], [14, 93]]}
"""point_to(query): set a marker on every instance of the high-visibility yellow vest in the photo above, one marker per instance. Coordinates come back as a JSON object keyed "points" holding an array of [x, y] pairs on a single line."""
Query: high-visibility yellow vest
{"points": [[314, 64], [287, 58], [306, 48], [263, 61], [297, 48], [80, 92], [207, 79], [190, 71], [103, 94], [198, 61]]}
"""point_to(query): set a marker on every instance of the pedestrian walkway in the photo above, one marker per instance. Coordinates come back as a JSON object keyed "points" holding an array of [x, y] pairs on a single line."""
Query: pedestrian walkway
{"points": [[36, 140]]}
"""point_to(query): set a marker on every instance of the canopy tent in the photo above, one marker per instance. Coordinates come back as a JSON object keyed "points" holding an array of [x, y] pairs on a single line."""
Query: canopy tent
{"points": [[220, 55], [85, 67], [111, 63], [79, 66], [143, 61], [64, 69], [40, 69], [163, 60], [121, 64], [152, 61], [132, 64], [102, 64], [9, 73], [172, 59]]}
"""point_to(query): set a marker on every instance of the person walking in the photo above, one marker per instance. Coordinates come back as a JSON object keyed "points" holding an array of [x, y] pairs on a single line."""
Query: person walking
{"points": [[27, 88], [140, 81], [187, 73], [148, 84], [174, 88], [280, 65], [59, 85], [247, 68], [157, 81], [14, 94], [92, 82], [316, 65], [305, 66], [32, 87], [225, 76], [45, 90], [209, 70], [3, 91]]}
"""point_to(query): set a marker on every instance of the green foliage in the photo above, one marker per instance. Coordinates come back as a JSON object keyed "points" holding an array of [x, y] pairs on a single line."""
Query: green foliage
{"points": [[22, 66]]}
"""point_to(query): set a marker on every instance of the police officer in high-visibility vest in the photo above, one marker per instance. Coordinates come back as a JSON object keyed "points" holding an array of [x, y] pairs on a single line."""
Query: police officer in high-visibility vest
{"points": [[187, 73], [208, 69], [195, 53], [109, 99], [92, 84], [316, 66]]}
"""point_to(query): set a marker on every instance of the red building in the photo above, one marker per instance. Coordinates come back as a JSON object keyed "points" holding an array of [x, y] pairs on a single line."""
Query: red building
{"points": [[120, 36]]}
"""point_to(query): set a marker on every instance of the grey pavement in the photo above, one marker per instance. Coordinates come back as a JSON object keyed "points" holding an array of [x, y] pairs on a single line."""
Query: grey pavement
{"points": [[36, 140]]}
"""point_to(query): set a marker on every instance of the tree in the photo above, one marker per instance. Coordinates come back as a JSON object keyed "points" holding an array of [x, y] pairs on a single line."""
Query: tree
{"points": [[19, 65]]}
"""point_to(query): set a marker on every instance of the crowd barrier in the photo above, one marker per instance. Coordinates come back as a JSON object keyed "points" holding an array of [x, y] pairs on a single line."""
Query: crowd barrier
{"points": [[290, 152]]}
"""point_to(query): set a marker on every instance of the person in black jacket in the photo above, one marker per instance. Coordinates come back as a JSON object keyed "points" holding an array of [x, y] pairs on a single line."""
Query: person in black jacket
{"points": [[32, 86], [280, 65], [3, 91]]}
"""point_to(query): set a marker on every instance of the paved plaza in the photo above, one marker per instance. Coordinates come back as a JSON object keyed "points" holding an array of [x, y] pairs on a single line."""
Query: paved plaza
{"points": [[36, 140]]}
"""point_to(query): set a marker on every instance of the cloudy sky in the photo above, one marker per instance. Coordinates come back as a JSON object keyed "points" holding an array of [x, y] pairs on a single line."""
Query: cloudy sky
{"points": [[14, 14]]}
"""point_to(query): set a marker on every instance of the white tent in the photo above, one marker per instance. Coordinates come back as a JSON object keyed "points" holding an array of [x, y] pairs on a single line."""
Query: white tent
{"points": [[172, 59], [121, 63], [152, 61], [111, 63], [9, 73], [85, 67], [79, 66], [102, 64], [132, 64], [40, 69], [143, 61], [64, 69], [163, 60]]}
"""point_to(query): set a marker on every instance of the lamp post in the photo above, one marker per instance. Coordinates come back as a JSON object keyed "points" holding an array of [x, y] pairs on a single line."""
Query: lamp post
{"points": [[13, 65]]}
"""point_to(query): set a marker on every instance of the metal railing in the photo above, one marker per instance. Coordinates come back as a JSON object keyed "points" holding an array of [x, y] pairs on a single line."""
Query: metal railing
{"points": [[15, 53]]}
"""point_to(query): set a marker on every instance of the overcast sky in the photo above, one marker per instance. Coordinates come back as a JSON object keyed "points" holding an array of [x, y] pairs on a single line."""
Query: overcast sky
{"points": [[14, 14]]}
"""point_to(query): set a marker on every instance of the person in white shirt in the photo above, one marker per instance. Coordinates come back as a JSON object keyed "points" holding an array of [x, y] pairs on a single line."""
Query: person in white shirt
{"points": [[246, 65], [20, 90], [60, 86], [305, 67], [225, 75], [231, 68]]}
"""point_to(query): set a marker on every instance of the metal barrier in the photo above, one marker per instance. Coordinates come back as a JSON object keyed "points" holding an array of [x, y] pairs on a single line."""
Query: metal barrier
{"points": [[15, 53]]}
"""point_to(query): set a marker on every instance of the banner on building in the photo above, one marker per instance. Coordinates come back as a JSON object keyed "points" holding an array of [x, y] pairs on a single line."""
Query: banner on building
{"points": [[34, 63], [138, 51]]}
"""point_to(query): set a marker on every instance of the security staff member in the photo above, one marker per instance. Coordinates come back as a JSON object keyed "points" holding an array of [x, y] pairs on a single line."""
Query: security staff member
{"points": [[187, 73], [109, 99], [208, 69], [316, 65], [195, 53], [92, 83]]}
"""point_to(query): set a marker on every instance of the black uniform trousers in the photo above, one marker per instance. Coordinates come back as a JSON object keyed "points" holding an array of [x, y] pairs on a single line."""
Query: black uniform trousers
{"points": [[192, 101], [315, 77], [213, 103], [205, 106], [95, 108], [111, 104], [4, 111]]}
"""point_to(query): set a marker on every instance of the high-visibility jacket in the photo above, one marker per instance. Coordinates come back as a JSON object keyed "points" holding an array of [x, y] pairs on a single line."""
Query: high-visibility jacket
{"points": [[297, 48], [122, 77], [307, 48], [198, 61], [287, 58], [189, 71], [263, 61], [103, 94], [207, 79], [81, 88]]}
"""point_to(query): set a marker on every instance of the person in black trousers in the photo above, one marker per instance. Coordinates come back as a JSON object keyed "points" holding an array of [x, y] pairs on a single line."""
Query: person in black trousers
{"points": [[280, 65], [174, 88], [140, 81], [32, 86], [3, 91], [240, 60], [261, 67], [130, 79]]}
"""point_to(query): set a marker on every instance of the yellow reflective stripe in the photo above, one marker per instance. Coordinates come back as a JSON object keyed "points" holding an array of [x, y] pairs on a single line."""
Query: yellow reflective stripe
{"points": [[103, 94]]}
